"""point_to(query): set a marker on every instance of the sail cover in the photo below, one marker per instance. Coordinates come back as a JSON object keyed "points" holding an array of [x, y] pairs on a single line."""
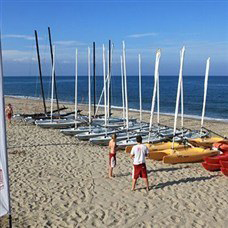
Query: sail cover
{"points": [[4, 189]]}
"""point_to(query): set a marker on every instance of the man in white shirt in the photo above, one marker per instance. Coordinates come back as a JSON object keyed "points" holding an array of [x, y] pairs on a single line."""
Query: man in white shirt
{"points": [[138, 153]]}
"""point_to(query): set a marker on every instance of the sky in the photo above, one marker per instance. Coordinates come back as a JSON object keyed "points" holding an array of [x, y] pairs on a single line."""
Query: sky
{"points": [[199, 25]]}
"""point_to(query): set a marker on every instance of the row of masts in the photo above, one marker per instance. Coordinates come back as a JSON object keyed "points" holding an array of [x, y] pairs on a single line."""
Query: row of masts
{"points": [[54, 75], [107, 85], [40, 70]]}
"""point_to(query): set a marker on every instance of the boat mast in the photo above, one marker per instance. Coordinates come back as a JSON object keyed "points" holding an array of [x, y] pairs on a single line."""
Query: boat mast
{"points": [[94, 79], [56, 96], [140, 92], [107, 89], [178, 92], [122, 82], [109, 77], [89, 87], [158, 55], [125, 82], [158, 102], [40, 72], [205, 92], [104, 75], [182, 106], [76, 87], [52, 82]]}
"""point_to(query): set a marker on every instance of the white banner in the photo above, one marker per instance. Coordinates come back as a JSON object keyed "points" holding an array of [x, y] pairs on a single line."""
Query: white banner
{"points": [[4, 179]]}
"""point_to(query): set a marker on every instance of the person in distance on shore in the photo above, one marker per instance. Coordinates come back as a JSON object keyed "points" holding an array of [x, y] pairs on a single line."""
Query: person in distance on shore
{"points": [[112, 155], [139, 153], [9, 113]]}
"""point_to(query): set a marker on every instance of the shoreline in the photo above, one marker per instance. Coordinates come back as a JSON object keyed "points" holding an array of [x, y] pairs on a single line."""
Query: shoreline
{"points": [[119, 108]]}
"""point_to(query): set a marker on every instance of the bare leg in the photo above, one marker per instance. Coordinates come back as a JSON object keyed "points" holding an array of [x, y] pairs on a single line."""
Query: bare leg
{"points": [[133, 184], [147, 183], [110, 172]]}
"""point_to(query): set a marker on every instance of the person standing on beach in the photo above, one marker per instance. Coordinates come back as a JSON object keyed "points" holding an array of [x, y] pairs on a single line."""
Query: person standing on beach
{"points": [[9, 113], [112, 155], [139, 153]]}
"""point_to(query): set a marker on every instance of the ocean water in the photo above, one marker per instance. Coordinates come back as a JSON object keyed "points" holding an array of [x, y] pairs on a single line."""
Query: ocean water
{"points": [[217, 97]]}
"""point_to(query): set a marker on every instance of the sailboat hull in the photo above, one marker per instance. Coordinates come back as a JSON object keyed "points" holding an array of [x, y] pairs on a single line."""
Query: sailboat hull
{"points": [[104, 140], [131, 142], [205, 142], [57, 123], [187, 155], [96, 133]]}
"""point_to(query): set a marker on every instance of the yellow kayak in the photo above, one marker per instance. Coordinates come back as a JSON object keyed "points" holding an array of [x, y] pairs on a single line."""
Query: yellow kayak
{"points": [[196, 153], [205, 142], [187, 155], [157, 146], [159, 154], [163, 146]]}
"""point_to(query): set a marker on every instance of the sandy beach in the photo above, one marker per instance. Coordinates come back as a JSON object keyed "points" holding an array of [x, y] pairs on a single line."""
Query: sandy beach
{"points": [[59, 181]]}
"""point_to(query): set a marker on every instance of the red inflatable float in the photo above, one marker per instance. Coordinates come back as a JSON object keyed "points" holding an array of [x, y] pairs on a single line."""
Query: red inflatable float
{"points": [[224, 164], [223, 146], [216, 159], [211, 167], [224, 171]]}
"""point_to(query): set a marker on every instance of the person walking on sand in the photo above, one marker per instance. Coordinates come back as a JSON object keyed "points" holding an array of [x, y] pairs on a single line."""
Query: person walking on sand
{"points": [[138, 153], [9, 113], [112, 155]]}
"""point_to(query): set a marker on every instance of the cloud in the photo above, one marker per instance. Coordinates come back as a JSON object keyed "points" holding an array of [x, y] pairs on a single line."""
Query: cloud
{"points": [[69, 43], [19, 56], [140, 35], [17, 36]]}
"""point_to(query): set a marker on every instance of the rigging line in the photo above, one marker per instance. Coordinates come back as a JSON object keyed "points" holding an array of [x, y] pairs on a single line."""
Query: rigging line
{"points": [[102, 94]]}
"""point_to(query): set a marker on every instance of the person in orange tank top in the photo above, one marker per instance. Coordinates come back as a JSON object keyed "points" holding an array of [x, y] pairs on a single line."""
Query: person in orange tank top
{"points": [[112, 155]]}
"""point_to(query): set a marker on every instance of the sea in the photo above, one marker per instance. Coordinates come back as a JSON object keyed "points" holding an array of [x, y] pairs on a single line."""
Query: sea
{"points": [[217, 92]]}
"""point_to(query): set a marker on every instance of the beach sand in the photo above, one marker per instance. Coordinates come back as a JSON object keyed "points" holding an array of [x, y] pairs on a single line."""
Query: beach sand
{"points": [[59, 181]]}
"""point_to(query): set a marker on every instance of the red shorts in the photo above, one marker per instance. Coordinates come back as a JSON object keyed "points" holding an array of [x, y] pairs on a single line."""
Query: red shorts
{"points": [[112, 160], [9, 116], [139, 171]]}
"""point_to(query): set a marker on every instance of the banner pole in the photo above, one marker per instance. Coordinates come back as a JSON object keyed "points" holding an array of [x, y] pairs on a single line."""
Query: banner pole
{"points": [[4, 140]]}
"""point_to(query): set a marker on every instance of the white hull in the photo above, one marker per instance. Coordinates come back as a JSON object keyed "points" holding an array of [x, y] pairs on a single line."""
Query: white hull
{"points": [[104, 140], [96, 133], [153, 139], [57, 123], [112, 120], [79, 130], [191, 135], [132, 125]]}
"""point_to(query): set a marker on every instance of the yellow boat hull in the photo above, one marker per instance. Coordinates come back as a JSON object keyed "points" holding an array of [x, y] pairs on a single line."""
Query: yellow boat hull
{"points": [[187, 155], [163, 146], [159, 150], [158, 155], [205, 142], [157, 146]]}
